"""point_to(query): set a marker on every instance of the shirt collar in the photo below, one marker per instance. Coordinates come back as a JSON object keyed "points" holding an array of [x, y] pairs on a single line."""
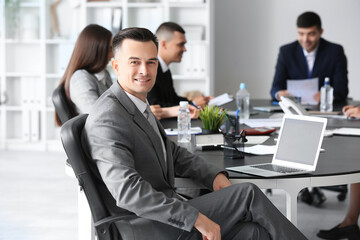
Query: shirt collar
{"points": [[312, 53], [138, 103], [100, 75], [163, 65]]}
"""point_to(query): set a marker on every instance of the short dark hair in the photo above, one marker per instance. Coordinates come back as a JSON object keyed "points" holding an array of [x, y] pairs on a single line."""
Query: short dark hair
{"points": [[166, 31], [308, 19], [170, 27], [134, 33]]}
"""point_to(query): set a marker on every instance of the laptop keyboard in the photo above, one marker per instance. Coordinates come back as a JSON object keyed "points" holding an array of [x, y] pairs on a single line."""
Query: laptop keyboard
{"points": [[277, 168]]}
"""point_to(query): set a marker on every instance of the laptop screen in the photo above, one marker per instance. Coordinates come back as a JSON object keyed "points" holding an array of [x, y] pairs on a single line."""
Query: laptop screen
{"points": [[299, 141]]}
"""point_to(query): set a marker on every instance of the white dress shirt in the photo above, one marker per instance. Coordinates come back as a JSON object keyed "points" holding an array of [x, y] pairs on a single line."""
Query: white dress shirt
{"points": [[101, 76], [310, 59], [163, 65]]}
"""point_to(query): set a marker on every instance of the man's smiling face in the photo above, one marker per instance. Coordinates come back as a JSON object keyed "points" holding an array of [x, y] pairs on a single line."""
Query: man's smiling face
{"points": [[136, 64]]}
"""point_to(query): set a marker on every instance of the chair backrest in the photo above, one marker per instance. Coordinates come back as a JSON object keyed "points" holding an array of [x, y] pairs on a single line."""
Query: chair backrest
{"points": [[71, 139], [86, 174], [62, 107]]}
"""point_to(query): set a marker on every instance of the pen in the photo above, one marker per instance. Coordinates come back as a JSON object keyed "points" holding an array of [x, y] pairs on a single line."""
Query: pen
{"points": [[192, 103], [227, 117], [226, 147], [237, 122]]}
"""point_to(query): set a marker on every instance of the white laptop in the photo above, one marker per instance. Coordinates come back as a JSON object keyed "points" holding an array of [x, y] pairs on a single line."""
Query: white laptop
{"points": [[297, 149]]}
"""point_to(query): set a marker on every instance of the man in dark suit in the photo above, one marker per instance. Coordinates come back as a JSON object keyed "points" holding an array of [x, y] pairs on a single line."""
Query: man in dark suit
{"points": [[172, 42], [309, 57], [137, 163]]}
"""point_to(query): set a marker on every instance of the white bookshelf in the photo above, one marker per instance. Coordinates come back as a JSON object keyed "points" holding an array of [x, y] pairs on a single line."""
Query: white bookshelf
{"points": [[32, 63], [33, 57]]}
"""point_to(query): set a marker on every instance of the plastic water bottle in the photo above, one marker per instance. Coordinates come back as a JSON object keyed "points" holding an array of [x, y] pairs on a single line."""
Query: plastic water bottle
{"points": [[184, 123], [327, 95], [243, 102]]}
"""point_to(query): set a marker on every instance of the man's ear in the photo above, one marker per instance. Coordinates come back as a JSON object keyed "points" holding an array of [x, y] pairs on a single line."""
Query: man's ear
{"points": [[321, 31], [163, 44], [115, 66]]}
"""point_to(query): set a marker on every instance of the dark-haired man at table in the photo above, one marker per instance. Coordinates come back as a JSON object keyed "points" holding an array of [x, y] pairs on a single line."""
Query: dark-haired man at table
{"points": [[172, 42], [309, 57]]}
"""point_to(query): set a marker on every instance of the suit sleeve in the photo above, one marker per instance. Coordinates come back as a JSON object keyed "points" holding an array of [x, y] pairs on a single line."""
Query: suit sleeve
{"points": [[83, 91], [340, 79], [279, 82], [192, 166], [111, 147], [163, 94]]}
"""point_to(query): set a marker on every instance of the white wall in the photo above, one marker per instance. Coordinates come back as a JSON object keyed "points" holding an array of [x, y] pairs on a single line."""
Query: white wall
{"points": [[248, 34]]}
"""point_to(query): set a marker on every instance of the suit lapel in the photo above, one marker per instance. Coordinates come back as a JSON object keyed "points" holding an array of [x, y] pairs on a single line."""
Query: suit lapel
{"points": [[155, 140], [143, 123], [302, 61], [318, 59]]}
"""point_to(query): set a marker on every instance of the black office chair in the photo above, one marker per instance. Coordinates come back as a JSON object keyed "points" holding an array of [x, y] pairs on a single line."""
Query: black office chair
{"points": [[341, 189], [103, 221], [71, 139], [62, 107]]}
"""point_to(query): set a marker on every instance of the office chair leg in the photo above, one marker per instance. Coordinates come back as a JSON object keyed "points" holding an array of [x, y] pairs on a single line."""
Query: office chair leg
{"points": [[341, 197], [318, 196]]}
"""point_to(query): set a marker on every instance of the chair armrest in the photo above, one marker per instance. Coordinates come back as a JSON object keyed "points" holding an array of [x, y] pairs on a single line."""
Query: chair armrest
{"points": [[106, 222], [103, 226]]}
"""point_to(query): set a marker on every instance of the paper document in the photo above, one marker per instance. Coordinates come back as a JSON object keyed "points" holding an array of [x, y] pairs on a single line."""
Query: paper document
{"points": [[220, 100], [306, 89], [262, 122], [347, 131], [259, 149], [330, 116], [174, 131], [256, 139], [267, 108]]}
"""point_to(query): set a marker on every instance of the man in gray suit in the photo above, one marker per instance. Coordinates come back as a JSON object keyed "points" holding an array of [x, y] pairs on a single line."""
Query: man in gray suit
{"points": [[138, 163]]}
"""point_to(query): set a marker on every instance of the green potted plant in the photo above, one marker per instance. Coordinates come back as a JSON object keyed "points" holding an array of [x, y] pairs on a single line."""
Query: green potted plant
{"points": [[212, 118]]}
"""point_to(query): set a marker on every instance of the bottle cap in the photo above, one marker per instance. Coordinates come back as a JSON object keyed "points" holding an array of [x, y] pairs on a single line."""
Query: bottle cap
{"points": [[184, 104], [242, 85], [327, 80]]}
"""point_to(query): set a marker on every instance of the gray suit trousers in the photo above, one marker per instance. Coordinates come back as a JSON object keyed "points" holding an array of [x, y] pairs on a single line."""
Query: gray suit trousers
{"points": [[241, 210]]}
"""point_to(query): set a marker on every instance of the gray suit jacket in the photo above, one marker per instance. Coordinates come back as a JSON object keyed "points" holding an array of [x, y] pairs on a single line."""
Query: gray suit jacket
{"points": [[85, 89], [128, 154]]}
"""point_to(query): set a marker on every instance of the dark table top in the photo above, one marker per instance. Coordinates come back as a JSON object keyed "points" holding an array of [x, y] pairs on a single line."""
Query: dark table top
{"points": [[341, 155]]}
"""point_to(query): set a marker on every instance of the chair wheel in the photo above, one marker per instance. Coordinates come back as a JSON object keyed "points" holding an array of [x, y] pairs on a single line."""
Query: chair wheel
{"points": [[268, 192], [341, 197]]}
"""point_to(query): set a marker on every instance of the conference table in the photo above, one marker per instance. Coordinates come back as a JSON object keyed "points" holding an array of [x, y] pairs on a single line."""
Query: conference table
{"points": [[338, 164]]}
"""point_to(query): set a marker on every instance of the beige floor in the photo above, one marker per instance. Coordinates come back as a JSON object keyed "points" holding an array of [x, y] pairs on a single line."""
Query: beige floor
{"points": [[38, 200]]}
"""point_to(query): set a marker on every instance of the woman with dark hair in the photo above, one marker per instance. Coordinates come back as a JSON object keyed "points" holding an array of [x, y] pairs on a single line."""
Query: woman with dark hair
{"points": [[85, 77]]}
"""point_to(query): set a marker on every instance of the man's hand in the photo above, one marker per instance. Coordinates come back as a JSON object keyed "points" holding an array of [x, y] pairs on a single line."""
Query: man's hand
{"points": [[201, 101], [220, 182], [157, 111], [209, 229], [168, 112], [282, 93], [317, 96], [351, 111], [194, 112]]}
